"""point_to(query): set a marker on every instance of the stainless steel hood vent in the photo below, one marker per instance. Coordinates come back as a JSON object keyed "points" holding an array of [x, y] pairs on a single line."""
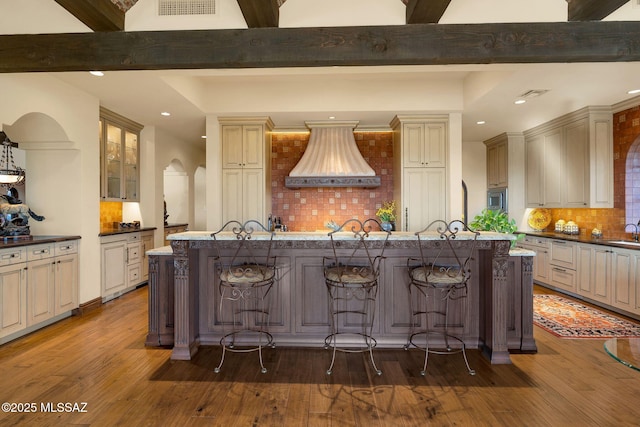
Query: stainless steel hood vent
{"points": [[332, 159]]}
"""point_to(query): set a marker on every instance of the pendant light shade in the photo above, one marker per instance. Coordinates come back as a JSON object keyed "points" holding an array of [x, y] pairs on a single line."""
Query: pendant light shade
{"points": [[10, 174]]}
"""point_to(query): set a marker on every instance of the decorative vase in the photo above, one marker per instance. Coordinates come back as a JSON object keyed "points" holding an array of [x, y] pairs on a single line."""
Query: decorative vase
{"points": [[386, 226]]}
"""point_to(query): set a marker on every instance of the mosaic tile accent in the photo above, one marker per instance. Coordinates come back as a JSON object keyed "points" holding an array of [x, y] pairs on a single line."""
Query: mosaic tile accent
{"points": [[124, 5], [308, 209]]}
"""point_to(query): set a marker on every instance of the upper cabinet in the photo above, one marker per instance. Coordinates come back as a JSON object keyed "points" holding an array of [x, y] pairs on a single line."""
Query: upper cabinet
{"points": [[424, 144], [569, 161], [497, 164], [120, 157], [246, 168]]}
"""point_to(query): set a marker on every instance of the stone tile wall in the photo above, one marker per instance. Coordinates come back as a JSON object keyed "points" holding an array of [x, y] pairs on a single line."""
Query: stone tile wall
{"points": [[308, 209]]}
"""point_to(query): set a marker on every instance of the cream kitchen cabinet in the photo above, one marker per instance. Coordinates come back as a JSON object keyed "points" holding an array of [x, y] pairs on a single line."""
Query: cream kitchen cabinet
{"points": [[246, 168], [424, 196], [147, 244], [497, 164], [424, 144], [569, 161], [120, 157], [594, 272], [172, 229], [38, 285], [13, 291], [121, 263], [420, 145], [541, 261]]}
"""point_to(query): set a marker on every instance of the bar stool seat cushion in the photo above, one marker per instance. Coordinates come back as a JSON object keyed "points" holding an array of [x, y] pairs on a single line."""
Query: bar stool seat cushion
{"points": [[350, 275], [247, 274], [435, 276]]}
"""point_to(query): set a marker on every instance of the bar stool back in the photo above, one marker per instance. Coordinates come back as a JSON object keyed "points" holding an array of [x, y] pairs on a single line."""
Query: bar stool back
{"points": [[244, 282], [351, 276], [440, 274]]}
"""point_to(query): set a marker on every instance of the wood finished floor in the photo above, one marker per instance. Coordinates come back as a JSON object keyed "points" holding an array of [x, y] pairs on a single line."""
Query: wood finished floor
{"points": [[101, 359]]}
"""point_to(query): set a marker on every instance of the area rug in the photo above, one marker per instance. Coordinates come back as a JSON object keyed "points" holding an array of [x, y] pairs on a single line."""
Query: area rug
{"points": [[569, 319]]}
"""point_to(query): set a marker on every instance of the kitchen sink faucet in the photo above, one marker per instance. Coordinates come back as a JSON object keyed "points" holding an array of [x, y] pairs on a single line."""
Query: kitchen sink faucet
{"points": [[634, 235]]}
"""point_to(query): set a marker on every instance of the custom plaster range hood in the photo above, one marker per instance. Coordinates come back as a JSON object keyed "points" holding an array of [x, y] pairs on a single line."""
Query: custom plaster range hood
{"points": [[332, 159]]}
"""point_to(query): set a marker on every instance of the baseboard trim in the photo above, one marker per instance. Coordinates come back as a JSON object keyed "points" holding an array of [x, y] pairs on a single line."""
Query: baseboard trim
{"points": [[88, 306]]}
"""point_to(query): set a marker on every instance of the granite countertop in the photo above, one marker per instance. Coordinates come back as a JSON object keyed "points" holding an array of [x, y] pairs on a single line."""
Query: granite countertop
{"points": [[112, 231], [322, 236], [33, 240], [620, 243], [176, 224]]}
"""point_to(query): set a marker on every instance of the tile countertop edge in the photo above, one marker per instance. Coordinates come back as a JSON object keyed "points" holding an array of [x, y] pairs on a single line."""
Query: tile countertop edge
{"points": [[111, 232], [35, 240]]}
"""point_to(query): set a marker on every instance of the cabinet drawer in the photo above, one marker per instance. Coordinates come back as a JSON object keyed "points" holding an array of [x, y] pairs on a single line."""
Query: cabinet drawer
{"points": [[535, 241], [563, 254], [69, 247], [135, 273], [39, 252], [563, 278], [13, 256], [133, 253], [133, 237]]}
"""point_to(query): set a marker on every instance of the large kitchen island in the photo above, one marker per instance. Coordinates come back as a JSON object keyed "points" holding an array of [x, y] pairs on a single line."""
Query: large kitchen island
{"points": [[499, 318]]}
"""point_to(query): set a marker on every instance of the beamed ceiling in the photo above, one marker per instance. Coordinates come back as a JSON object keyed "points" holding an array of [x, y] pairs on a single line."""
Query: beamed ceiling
{"points": [[423, 41], [109, 15]]}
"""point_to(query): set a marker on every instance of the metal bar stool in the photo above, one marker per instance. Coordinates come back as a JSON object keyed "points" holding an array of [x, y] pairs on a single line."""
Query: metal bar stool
{"points": [[440, 274], [244, 281], [351, 276]]}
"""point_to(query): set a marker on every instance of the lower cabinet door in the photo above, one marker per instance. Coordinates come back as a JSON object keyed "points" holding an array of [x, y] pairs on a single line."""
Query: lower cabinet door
{"points": [[13, 299], [40, 290], [66, 298]]}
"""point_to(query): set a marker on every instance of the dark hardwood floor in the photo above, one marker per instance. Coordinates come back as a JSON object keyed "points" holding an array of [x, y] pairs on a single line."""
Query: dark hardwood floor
{"points": [[100, 359]]}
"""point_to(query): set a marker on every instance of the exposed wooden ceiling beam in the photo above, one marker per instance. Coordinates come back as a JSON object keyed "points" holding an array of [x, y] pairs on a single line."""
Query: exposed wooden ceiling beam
{"points": [[418, 44], [426, 11], [260, 14], [99, 15], [592, 10]]}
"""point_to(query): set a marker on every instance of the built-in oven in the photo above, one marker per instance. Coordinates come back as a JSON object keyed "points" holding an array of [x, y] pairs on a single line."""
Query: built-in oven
{"points": [[497, 199]]}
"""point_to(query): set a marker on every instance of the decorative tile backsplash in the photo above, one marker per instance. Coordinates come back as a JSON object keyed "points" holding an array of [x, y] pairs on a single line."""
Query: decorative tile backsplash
{"points": [[110, 212], [308, 209]]}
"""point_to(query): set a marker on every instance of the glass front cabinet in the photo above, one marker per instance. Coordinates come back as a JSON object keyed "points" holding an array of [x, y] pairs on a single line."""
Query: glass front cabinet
{"points": [[120, 157]]}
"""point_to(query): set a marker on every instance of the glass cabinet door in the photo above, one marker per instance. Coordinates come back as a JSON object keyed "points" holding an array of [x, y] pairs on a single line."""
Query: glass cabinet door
{"points": [[131, 166], [120, 158], [113, 162]]}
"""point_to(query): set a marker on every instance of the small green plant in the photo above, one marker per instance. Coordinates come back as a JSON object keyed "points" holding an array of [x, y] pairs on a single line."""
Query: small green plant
{"points": [[495, 220]]}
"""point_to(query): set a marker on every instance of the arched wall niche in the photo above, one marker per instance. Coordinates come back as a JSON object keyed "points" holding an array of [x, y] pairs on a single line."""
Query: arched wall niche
{"points": [[38, 130], [632, 184]]}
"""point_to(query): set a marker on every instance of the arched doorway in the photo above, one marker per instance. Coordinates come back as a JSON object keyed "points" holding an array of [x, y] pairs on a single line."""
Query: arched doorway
{"points": [[199, 199], [176, 193]]}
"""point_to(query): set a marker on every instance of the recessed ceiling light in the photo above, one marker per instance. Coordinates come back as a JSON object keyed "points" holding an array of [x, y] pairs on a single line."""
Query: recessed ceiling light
{"points": [[480, 122], [519, 101], [204, 137], [634, 91], [96, 73], [165, 113], [332, 117]]}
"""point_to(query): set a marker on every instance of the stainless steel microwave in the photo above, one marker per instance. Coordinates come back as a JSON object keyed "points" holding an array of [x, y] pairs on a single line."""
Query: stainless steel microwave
{"points": [[497, 199]]}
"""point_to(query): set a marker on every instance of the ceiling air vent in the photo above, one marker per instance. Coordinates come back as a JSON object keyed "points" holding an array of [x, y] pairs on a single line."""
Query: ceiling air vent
{"points": [[186, 7], [533, 93]]}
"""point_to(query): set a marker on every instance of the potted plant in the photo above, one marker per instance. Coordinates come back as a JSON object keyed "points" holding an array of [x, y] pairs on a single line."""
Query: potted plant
{"points": [[495, 220], [387, 215]]}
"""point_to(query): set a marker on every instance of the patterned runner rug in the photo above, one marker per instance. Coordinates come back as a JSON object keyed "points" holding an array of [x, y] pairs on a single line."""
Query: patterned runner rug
{"points": [[569, 319]]}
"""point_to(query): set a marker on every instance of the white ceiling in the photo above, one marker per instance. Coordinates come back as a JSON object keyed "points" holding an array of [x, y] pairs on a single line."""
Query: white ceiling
{"points": [[372, 95]]}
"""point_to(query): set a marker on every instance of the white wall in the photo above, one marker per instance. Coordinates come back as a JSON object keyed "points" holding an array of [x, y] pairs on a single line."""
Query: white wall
{"points": [[176, 193], [62, 183]]}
